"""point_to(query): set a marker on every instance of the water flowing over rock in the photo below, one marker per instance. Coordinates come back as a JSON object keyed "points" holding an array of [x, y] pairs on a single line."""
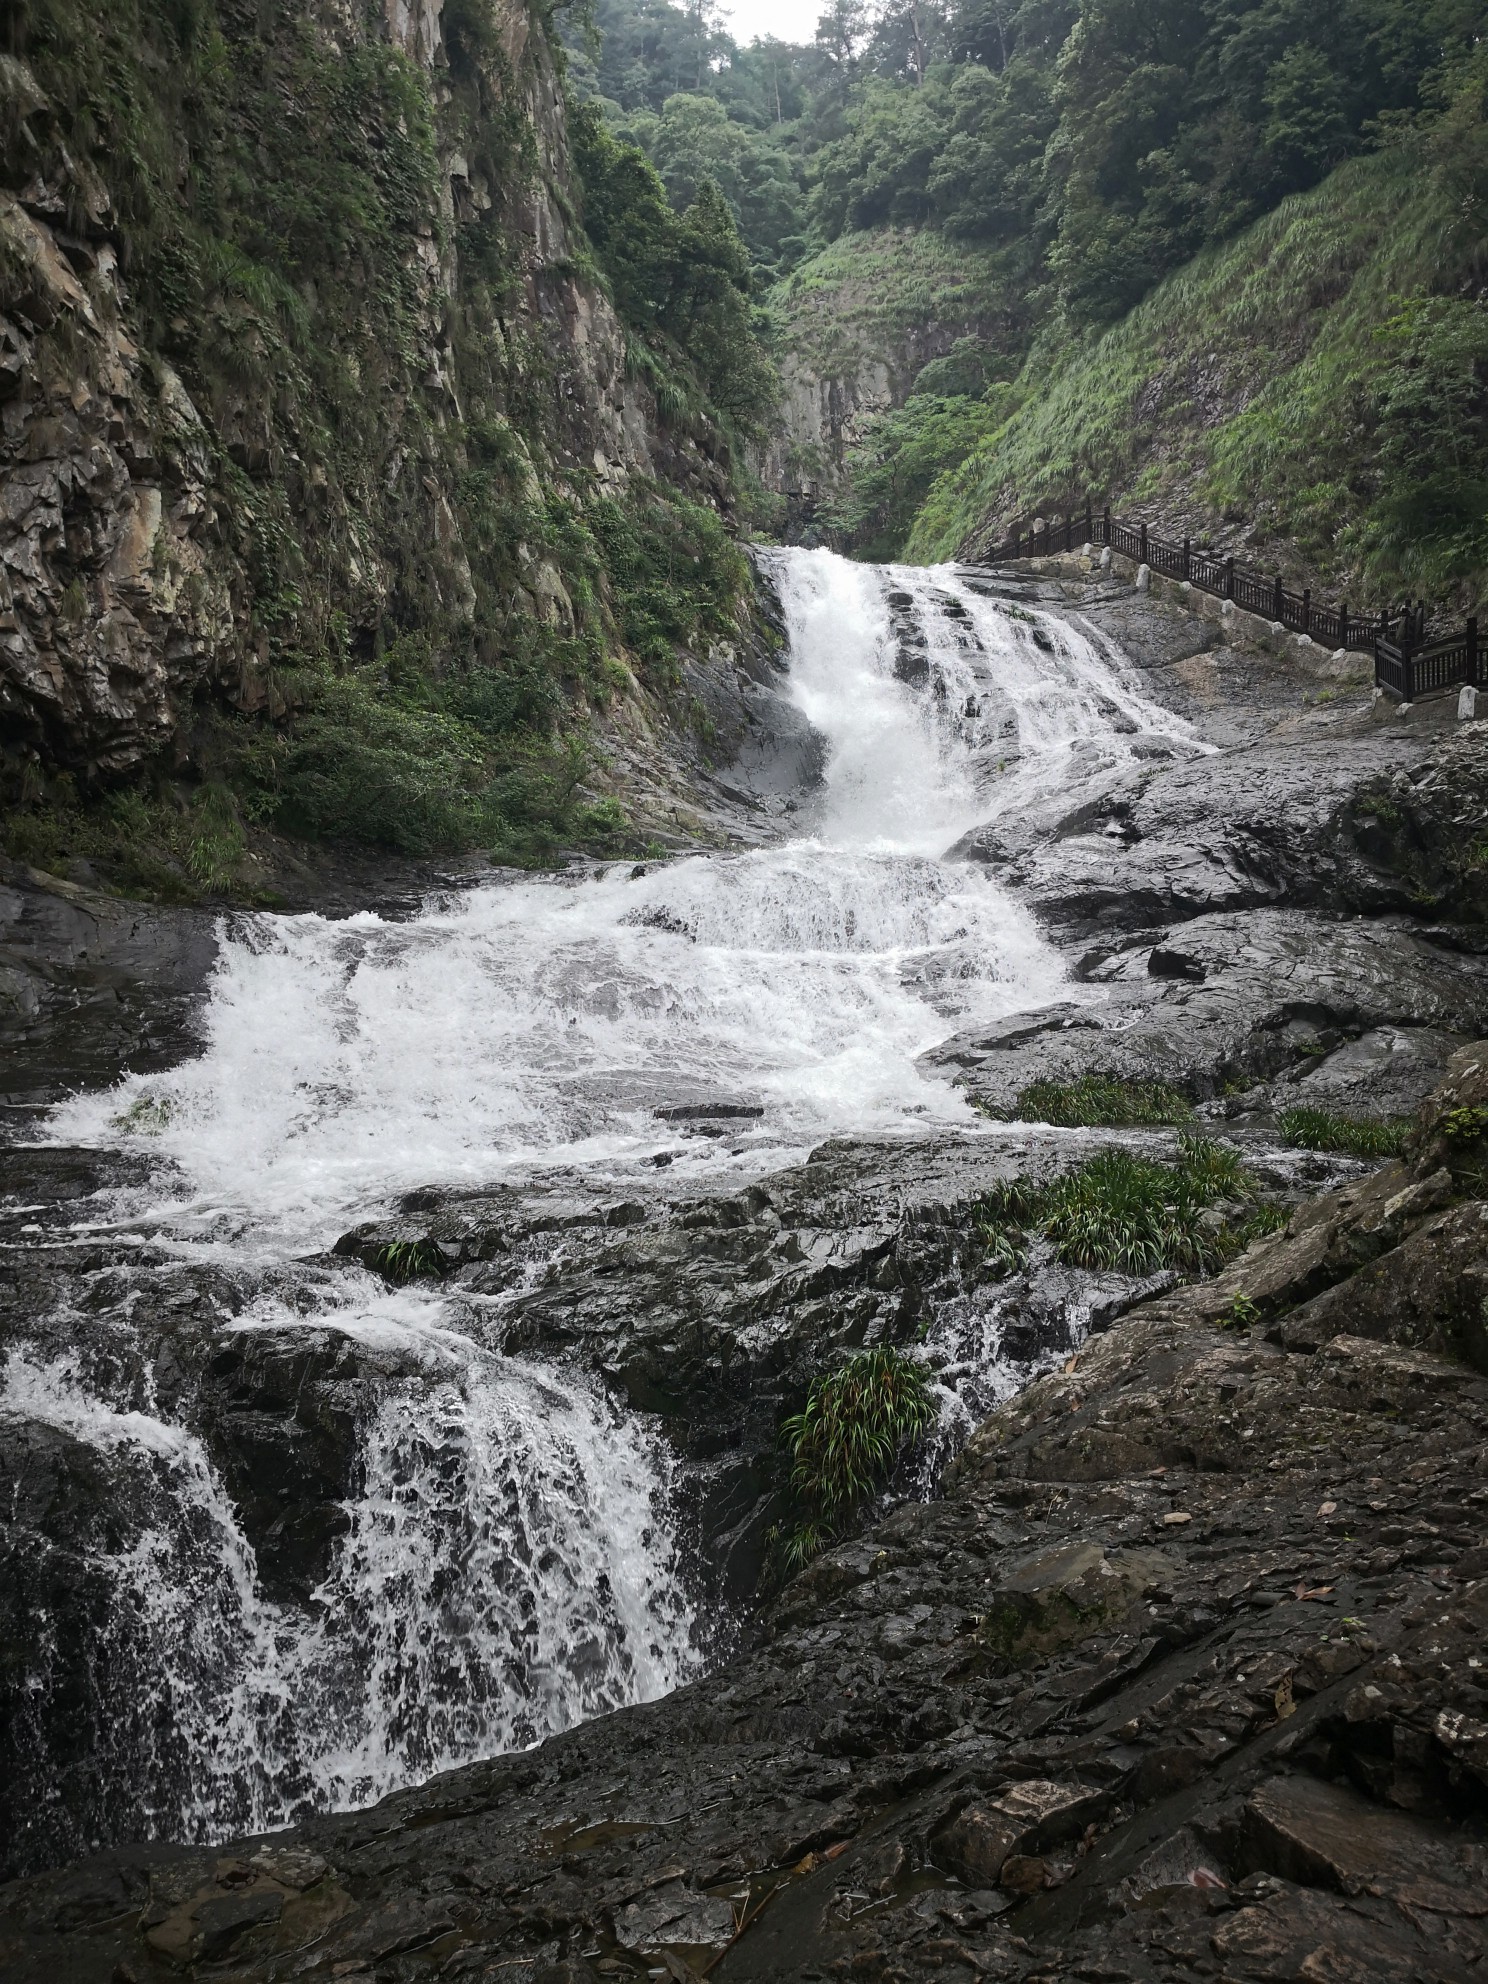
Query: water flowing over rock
{"points": [[359, 1537], [395, 1382]]}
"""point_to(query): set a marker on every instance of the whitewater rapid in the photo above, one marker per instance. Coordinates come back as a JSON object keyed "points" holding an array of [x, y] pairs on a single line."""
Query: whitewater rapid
{"points": [[524, 1026], [510, 1562]]}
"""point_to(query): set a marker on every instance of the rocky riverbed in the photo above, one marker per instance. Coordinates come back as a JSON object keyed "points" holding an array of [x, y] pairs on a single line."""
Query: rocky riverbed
{"points": [[1172, 1674]]}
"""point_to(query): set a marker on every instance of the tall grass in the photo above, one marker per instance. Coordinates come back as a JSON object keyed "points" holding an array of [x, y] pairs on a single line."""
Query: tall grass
{"points": [[1130, 1215], [1319, 1129], [1101, 1100]]}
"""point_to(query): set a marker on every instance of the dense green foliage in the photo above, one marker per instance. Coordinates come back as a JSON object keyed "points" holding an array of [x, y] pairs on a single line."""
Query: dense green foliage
{"points": [[1110, 139], [674, 572], [904, 454], [845, 1441], [1130, 1215], [681, 282], [1352, 395], [1078, 152], [1305, 1128]]}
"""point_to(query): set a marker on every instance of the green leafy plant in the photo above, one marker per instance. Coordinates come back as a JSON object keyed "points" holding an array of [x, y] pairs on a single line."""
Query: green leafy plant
{"points": [[1378, 806], [856, 1422], [1306, 1128], [401, 1261], [1128, 1214], [1464, 1126]]}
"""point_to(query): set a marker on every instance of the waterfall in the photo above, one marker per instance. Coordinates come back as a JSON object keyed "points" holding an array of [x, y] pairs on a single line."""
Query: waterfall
{"points": [[509, 1562], [506, 1573]]}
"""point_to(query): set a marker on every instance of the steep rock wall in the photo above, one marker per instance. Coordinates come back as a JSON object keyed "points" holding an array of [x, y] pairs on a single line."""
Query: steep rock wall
{"points": [[298, 338], [856, 326]]}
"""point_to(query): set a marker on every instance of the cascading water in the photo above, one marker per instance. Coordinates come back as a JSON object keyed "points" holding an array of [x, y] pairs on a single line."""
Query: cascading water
{"points": [[508, 1563]]}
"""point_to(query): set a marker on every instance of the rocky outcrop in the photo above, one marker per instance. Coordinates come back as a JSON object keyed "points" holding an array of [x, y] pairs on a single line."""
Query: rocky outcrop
{"points": [[1181, 1678], [200, 461], [856, 327]]}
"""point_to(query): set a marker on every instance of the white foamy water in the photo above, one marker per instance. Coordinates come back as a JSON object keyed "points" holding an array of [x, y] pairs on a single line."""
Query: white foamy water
{"points": [[544, 1023], [509, 1564], [506, 1573]]}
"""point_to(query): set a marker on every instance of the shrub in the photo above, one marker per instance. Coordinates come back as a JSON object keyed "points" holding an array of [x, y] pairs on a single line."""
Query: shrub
{"points": [[1305, 1128], [855, 1423]]}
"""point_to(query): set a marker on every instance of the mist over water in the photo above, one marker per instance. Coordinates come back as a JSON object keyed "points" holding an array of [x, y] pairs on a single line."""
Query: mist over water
{"points": [[510, 1564]]}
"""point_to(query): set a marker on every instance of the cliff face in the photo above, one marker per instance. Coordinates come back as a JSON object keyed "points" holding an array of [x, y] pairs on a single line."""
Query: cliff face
{"points": [[300, 354], [857, 328]]}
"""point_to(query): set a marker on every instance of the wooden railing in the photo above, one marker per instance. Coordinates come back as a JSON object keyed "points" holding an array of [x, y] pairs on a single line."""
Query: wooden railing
{"points": [[1406, 664]]}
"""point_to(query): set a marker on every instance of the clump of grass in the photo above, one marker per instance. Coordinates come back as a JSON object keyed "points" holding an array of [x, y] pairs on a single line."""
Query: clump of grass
{"points": [[1100, 1101], [1304, 1128], [1464, 1126], [401, 1261], [1133, 1216], [1130, 1215], [856, 1422]]}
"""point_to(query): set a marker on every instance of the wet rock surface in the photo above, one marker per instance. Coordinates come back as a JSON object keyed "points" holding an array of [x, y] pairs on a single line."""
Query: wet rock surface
{"points": [[1182, 1677]]}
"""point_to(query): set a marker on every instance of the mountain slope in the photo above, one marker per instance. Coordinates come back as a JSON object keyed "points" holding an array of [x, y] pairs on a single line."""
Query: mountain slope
{"points": [[1315, 388]]}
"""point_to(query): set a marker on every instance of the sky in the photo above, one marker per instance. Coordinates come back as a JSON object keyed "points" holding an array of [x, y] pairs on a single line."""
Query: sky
{"points": [[788, 20]]}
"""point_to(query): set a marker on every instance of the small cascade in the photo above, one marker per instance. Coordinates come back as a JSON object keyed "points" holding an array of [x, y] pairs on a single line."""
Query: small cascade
{"points": [[508, 1570]]}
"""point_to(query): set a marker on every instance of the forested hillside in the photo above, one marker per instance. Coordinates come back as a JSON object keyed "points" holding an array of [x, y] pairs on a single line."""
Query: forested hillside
{"points": [[958, 202]]}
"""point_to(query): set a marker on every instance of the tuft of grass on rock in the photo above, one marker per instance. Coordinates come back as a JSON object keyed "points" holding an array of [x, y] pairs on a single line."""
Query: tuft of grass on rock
{"points": [[1305, 1128], [402, 1261], [1131, 1215], [856, 1422], [1101, 1101]]}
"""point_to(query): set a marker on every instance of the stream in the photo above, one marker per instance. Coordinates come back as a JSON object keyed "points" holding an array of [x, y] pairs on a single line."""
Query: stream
{"points": [[507, 1560]]}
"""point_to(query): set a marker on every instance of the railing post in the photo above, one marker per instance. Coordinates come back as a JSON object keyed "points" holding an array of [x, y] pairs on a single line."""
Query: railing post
{"points": [[1277, 602], [1343, 625], [1307, 610], [1229, 591], [1472, 651], [1106, 520], [1089, 523], [1144, 544], [1187, 558]]}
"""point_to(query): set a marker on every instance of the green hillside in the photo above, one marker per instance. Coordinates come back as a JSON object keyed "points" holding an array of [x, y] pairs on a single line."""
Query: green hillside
{"points": [[1321, 379]]}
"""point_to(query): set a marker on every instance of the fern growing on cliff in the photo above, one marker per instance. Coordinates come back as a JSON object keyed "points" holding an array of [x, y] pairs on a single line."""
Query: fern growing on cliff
{"points": [[856, 1422]]}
